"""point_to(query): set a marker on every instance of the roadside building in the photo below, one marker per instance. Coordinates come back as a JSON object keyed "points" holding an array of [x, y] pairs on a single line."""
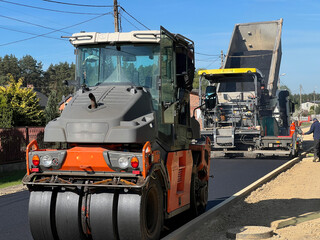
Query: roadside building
{"points": [[194, 103], [307, 105]]}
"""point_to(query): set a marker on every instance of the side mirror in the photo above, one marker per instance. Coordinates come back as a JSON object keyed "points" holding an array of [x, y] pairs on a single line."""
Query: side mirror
{"points": [[210, 97]]}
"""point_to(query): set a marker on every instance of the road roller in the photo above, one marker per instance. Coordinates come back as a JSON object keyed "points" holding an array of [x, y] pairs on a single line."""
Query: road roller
{"points": [[128, 158]]}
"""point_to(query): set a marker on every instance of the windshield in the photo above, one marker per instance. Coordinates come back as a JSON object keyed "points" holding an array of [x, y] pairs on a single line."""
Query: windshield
{"points": [[237, 84], [135, 65]]}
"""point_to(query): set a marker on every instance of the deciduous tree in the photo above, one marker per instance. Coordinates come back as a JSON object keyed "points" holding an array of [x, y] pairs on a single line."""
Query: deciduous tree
{"points": [[23, 102]]}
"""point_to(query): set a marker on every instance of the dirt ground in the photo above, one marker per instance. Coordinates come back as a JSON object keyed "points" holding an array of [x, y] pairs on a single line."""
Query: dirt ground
{"points": [[289, 204]]}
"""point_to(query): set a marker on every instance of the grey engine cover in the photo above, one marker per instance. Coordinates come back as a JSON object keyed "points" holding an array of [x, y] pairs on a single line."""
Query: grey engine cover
{"points": [[124, 115]]}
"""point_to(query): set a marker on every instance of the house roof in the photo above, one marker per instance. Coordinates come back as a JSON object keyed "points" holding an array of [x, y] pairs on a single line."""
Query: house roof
{"points": [[43, 98]]}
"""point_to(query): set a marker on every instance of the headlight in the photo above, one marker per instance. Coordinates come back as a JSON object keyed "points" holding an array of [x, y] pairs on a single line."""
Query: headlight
{"points": [[46, 161], [123, 162]]}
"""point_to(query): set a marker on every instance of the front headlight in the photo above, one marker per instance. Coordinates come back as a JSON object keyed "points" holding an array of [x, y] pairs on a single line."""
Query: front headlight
{"points": [[46, 161], [123, 162]]}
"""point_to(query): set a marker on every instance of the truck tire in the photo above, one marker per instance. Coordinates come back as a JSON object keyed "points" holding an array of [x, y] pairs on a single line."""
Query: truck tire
{"points": [[198, 196]]}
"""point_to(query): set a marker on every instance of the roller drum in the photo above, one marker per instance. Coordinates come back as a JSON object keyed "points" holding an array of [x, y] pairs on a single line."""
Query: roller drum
{"points": [[68, 216], [103, 216], [41, 215], [140, 217]]}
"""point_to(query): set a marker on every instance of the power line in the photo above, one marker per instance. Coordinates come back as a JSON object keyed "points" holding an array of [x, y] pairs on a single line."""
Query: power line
{"points": [[204, 54], [14, 30], [58, 30], [34, 24], [128, 21], [212, 62], [78, 5], [205, 60], [134, 18], [47, 9], [25, 14]]}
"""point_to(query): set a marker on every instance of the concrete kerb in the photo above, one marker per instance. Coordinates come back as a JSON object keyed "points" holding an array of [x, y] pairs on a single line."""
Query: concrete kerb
{"points": [[196, 223]]}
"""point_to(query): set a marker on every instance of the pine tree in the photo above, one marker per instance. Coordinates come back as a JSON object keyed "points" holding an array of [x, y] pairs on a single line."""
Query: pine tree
{"points": [[51, 111]]}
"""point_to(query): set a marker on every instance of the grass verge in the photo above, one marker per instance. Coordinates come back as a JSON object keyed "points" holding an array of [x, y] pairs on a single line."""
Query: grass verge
{"points": [[12, 178]]}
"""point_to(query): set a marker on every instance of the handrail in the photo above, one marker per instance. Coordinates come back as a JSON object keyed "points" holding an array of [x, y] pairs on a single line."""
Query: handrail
{"points": [[29, 148], [146, 152]]}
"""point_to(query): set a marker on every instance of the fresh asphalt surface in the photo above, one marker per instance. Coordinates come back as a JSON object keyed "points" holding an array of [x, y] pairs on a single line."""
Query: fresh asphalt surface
{"points": [[230, 176]]}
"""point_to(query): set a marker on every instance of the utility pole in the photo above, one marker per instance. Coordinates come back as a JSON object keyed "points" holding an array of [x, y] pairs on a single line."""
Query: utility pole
{"points": [[300, 103], [300, 95], [314, 103], [222, 59], [116, 15]]}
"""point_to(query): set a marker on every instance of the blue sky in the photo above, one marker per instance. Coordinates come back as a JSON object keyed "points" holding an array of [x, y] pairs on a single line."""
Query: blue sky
{"points": [[208, 23]]}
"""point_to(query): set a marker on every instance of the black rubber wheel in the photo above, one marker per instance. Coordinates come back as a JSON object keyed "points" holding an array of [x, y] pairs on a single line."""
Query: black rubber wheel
{"points": [[141, 216], [198, 196], [102, 216], [68, 217], [41, 215]]}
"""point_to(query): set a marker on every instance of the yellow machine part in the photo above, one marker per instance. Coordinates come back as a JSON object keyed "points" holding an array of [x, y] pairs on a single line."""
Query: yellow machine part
{"points": [[227, 71]]}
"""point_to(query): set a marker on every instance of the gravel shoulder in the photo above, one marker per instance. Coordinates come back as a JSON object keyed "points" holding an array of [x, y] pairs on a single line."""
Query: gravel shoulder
{"points": [[12, 189], [289, 204]]}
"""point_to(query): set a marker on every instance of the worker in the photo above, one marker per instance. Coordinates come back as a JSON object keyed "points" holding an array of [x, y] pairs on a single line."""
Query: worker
{"points": [[315, 129], [292, 128]]}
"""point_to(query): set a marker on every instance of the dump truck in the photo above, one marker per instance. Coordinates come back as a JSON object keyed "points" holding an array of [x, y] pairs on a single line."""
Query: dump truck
{"points": [[244, 110], [128, 159]]}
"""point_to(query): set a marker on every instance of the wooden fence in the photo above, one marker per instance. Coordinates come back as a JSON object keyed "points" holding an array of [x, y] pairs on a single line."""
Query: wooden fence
{"points": [[13, 142]]}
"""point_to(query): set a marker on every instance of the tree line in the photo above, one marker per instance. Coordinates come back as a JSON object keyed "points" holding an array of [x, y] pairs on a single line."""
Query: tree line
{"points": [[19, 79], [19, 105]]}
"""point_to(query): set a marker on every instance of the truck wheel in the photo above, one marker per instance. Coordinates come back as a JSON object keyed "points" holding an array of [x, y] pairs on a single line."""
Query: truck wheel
{"points": [[198, 196], [141, 216]]}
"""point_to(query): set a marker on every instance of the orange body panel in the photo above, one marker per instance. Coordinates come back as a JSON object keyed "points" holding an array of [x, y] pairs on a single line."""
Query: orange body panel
{"points": [[85, 159], [179, 165], [203, 165]]}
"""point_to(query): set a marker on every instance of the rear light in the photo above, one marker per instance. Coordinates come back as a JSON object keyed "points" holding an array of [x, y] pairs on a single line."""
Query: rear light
{"points": [[35, 160], [134, 162]]}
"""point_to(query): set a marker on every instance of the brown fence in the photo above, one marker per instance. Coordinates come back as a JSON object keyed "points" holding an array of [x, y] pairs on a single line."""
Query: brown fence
{"points": [[13, 142]]}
